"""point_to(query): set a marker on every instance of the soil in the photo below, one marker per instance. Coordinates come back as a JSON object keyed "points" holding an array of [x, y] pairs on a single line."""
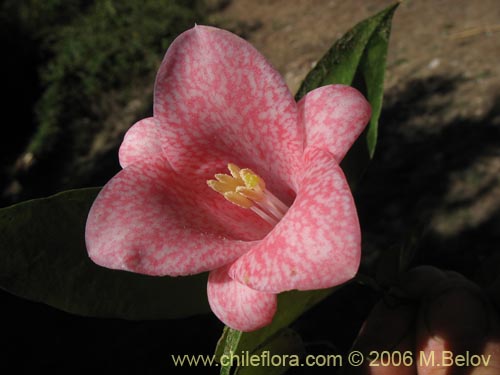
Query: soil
{"points": [[456, 38]]}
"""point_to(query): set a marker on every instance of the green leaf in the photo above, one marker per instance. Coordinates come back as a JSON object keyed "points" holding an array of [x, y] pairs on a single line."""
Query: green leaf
{"points": [[44, 259], [285, 345], [230, 339], [286, 341], [357, 59]]}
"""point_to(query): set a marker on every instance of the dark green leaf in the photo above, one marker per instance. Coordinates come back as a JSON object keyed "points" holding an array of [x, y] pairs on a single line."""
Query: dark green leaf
{"points": [[44, 259], [286, 345], [284, 341], [358, 59]]}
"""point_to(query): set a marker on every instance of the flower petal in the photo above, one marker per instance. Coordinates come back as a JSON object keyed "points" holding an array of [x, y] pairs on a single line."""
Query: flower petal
{"points": [[238, 306], [149, 220], [140, 144], [217, 97], [333, 117], [318, 242]]}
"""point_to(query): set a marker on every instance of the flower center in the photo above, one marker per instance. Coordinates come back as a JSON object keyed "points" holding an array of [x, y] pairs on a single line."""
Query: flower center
{"points": [[247, 189]]}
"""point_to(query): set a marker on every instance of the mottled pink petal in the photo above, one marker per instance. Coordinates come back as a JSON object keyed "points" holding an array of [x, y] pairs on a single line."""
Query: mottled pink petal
{"points": [[238, 306], [217, 100], [141, 143], [149, 220], [333, 117], [318, 242], [220, 99]]}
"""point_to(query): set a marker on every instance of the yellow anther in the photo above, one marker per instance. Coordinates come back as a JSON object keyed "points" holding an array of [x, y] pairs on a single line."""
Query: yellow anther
{"points": [[238, 199], [229, 182], [256, 196], [247, 189], [243, 187], [218, 186], [234, 169], [224, 178], [251, 179]]}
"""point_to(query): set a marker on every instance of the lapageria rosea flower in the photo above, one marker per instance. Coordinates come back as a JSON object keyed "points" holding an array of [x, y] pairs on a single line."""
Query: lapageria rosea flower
{"points": [[232, 176]]}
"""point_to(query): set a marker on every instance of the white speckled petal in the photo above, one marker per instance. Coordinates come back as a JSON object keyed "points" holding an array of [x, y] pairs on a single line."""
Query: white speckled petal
{"points": [[149, 221], [140, 144], [333, 117], [218, 101], [217, 98], [318, 242], [238, 306]]}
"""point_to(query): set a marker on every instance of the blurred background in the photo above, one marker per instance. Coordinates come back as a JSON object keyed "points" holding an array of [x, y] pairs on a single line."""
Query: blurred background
{"points": [[78, 74]]}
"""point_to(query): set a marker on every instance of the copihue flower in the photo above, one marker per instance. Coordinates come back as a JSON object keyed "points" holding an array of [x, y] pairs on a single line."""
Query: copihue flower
{"points": [[232, 176]]}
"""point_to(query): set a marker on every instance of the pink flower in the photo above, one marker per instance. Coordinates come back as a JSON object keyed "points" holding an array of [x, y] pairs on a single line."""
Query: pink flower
{"points": [[218, 101]]}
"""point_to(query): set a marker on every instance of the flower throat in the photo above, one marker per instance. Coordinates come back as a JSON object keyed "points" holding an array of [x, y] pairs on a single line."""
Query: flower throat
{"points": [[246, 189]]}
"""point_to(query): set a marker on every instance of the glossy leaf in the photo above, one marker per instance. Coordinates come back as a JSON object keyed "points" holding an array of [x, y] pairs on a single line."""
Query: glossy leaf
{"points": [[44, 259]]}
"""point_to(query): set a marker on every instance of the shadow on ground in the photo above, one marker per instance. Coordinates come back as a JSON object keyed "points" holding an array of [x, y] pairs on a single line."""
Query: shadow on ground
{"points": [[434, 184]]}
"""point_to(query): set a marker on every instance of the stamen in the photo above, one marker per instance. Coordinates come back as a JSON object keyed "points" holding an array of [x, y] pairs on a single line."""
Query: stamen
{"points": [[276, 202], [263, 215], [247, 189], [250, 194], [234, 169], [272, 210], [238, 199]]}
